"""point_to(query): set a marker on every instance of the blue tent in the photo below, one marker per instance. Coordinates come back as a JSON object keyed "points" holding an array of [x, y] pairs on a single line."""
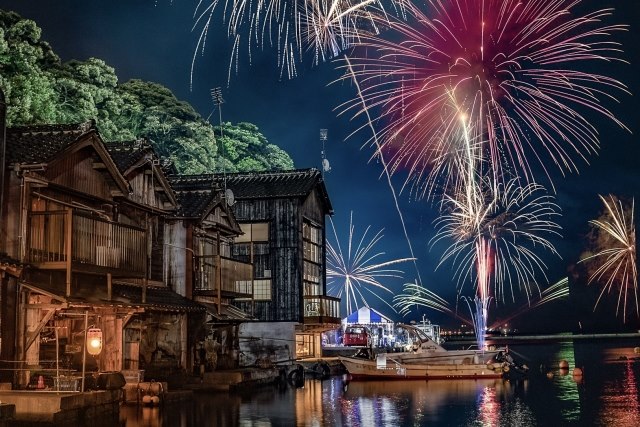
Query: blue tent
{"points": [[366, 315]]}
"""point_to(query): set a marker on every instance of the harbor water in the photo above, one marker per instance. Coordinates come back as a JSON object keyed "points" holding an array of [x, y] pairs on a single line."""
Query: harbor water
{"points": [[607, 394]]}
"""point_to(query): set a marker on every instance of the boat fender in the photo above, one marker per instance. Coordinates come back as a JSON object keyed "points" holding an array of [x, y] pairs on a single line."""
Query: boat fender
{"points": [[296, 376], [322, 369]]}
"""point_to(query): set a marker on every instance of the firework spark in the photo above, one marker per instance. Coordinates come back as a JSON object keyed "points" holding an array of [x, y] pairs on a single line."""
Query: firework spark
{"points": [[494, 236], [616, 248], [325, 27], [358, 270], [555, 292], [511, 67]]}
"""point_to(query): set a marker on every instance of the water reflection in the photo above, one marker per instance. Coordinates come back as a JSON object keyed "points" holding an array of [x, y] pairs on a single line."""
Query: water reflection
{"points": [[608, 395], [620, 402]]}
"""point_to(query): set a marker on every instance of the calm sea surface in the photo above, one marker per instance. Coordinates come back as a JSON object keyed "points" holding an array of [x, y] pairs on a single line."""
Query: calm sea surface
{"points": [[606, 395]]}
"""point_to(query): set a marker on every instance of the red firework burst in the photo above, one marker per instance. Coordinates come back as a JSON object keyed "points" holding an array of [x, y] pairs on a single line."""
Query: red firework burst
{"points": [[515, 71]]}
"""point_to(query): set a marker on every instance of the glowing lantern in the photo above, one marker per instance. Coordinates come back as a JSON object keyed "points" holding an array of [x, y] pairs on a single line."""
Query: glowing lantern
{"points": [[94, 341]]}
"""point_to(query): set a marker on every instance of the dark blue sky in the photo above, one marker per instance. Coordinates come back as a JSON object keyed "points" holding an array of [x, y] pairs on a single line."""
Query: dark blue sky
{"points": [[152, 40]]}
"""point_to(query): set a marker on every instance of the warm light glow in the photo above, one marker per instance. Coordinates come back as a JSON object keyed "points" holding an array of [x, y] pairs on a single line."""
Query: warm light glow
{"points": [[94, 341]]}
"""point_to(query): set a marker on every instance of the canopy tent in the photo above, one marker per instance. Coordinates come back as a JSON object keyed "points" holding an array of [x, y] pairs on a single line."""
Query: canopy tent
{"points": [[365, 316]]}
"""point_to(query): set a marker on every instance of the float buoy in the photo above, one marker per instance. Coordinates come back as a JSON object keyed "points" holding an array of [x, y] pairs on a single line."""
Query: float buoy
{"points": [[563, 364], [577, 372], [636, 350], [549, 374]]}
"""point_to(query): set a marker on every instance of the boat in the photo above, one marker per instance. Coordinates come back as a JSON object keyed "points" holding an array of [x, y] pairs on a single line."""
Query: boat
{"points": [[425, 359], [423, 349], [387, 366]]}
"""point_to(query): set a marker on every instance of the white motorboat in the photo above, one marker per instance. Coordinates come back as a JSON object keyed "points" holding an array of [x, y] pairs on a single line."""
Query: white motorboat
{"points": [[386, 366], [425, 359], [425, 350]]}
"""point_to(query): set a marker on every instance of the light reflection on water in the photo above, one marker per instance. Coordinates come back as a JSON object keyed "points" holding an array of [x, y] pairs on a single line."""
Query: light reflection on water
{"points": [[608, 395]]}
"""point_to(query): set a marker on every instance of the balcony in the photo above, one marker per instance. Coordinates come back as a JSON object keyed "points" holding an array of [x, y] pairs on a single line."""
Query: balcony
{"points": [[321, 309], [235, 277], [95, 245]]}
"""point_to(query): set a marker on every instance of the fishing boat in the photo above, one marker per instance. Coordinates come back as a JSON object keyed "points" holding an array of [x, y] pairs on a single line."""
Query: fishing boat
{"points": [[422, 349], [387, 366], [425, 359]]}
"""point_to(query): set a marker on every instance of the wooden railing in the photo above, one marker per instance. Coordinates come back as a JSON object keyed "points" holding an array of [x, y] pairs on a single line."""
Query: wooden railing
{"points": [[235, 276], [321, 306], [94, 241]]}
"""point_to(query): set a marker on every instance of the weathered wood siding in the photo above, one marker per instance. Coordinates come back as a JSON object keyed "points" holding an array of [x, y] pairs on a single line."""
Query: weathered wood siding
{"points": [[143, 186], [76, 171], [175, 252], [285, 255], [312, 209]]}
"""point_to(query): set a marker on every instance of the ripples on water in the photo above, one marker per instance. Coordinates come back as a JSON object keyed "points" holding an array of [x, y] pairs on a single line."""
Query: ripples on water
{"points": [[607, 395]]}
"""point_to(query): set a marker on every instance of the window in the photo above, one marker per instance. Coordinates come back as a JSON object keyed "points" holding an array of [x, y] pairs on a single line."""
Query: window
{"points": [[262, 289], [253, 247], [305, 345], [313, 254], [254, 232]]}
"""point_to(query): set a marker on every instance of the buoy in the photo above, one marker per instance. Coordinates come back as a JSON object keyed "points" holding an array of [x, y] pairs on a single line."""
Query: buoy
{"points": [[577, 372], [505, 368], [549, 374], [563, 364], [146, 399], [40, 382], [636, 350]]}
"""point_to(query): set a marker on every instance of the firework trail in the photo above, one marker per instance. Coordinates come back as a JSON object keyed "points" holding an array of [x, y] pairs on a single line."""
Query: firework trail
{"points": [[324, 27], [512, 67], [557, 291], [616, 251], [494, 229], [357, 270], [386, 171], [493, 238], [415, 294]]}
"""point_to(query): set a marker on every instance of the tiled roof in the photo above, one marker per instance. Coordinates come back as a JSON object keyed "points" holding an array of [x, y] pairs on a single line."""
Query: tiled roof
{"points": [[195, 194], [228, 313], [157, 298], [40, 143], [127, 153], [265, 185], [258, 185]]}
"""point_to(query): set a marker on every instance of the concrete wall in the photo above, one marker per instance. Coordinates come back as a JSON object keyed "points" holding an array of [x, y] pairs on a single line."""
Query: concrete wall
{"points": [[274, 341]]}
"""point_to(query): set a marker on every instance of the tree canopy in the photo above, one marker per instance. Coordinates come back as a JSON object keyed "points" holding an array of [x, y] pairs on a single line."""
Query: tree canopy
{"points": [[40, 88]]}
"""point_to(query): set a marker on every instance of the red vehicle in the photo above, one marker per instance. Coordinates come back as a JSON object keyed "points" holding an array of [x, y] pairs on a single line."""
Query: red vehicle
{"points": [[356, 335]]}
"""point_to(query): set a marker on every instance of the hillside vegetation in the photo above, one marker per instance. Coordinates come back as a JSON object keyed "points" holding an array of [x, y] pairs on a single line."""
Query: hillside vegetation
{"points": [[40, 88]]}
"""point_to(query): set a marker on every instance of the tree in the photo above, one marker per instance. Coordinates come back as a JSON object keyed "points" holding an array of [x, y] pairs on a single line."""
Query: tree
{"points": [[40, 89]]}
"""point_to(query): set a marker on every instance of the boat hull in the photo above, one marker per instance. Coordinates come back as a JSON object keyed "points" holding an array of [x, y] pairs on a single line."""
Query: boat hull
{"points": [[392, 370]]}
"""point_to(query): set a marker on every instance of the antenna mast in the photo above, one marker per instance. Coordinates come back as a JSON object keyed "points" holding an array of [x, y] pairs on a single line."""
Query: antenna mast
{"points": [[216, 96], [325, 162]]}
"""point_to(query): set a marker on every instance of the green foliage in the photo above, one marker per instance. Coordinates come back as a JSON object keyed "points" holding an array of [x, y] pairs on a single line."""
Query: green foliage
{"points": [[245, 149], [41, 89]]}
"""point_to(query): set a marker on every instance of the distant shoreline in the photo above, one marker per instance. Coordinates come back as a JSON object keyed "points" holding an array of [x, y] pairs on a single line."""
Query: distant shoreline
{"points": [[546, 337]]}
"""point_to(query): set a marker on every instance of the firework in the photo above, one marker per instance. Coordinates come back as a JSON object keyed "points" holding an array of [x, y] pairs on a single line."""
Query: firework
{"points": [[356, 272], [616, 251], [555, 292], [511, 67], [325, 27], [494, 232]]}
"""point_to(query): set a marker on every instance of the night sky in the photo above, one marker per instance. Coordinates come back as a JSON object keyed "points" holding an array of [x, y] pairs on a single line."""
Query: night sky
{"points": [[153, 40]]}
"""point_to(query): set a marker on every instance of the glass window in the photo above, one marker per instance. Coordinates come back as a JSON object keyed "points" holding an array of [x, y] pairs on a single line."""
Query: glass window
{"points": [[254, 232]]}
